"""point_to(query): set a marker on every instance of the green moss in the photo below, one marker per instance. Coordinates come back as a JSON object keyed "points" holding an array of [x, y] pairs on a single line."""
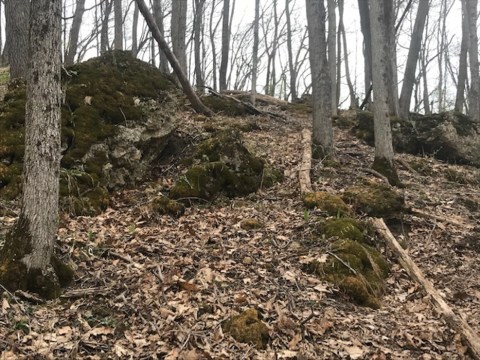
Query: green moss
{"points": [[345, 228], [65, 272], [226, 106], [333, 205], [248, 328], [357, 269], [251, 224], [387, 169], [223, 166], [375, 199], [457, 177], [100, 93], [162, 205], [422, 166]]}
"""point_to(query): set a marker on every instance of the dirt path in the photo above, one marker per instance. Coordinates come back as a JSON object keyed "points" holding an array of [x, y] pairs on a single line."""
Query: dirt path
{"points": [[154, 287]]}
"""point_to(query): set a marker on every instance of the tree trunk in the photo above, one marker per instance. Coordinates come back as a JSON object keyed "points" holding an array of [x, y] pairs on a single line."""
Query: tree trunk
{"points": [[291, 66], [26, 260], [381, 11], [212, 31], [255, 52], [74, 32], [107, 9], [321, 96], [158, 14], [341, 29], [332, 54], [225, 45], [367, 43], [412, 59], [474, 93], [197, 30], [187, 88], [462, 68], [178, 32], [118, 39], [135, 30], [16, 17]]}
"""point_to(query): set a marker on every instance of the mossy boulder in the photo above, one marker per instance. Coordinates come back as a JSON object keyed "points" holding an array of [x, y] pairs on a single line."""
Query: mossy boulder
{"points": [[357, 269], [222, 165], [248, 328], [332, 205], [345, 228], [448, 136], [374, 199], [161, 205], [251, 224], [116, 119]]}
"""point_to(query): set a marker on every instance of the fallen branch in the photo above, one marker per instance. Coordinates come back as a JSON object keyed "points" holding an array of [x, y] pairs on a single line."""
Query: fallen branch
{"points": [[306, 164], [454, 321], [424, 214]]}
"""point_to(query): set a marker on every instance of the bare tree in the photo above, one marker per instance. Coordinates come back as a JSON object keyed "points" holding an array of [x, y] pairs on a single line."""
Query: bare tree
{"points": [[74, 32], [197, 31], [381, 12], [462, 69], [474, 93], [118, 11], [367, 45], [412, 59], [158, 14], [16, 18], [332, 53], [225, 45], [322, 120], [291, 67], [135, 30], [212, 31], [25, 261], [107, 6], [255, 51], [187, 88], [341, 30], [178, 31]]}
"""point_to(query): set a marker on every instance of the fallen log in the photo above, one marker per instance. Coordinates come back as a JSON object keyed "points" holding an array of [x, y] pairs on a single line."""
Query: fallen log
{"points": [[470, 337], [306, 164]]}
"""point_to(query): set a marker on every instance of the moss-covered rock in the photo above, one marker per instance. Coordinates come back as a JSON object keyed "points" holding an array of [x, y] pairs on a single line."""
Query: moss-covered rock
{"points": [[331, 204], [357, 269], [374, 199], [161, 205], [387, 169], [222, 165], [116, 120], [248, 328], [345, 228], [251, 224], [226, 106]]}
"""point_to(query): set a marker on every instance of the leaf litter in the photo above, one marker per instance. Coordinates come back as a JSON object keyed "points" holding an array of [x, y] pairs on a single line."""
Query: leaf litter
{"points": [[158, 287]]}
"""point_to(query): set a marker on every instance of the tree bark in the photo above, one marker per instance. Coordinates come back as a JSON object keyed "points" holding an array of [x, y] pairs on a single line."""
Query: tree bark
{"points": [[135, 30], [332, 54], [381, 11], [197, 30], [367, 43], [158, 14], [291, 65], [341, 29], [474, 93], [225, 45], [178, 32], [321, 95], [74, 33], [29, 246], [187, 88], [412, 59], [255, 52], [107, 9], [16, 26], [118, 39], [462, 68]]}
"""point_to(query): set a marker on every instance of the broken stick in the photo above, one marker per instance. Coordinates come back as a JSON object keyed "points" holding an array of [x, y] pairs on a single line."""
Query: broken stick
{"points": [[306, 164], [454, 321]]}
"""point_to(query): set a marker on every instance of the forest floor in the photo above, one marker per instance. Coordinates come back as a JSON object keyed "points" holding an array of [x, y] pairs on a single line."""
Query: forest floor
{"points": [[156, 287]]}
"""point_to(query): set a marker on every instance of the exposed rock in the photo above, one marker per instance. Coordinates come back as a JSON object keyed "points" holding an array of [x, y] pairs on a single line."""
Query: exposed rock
{"points": [[448, 136], [222, 165], [117, 118]]}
